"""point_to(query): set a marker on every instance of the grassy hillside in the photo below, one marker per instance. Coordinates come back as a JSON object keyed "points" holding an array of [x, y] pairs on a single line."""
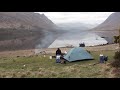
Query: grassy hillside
{"points": [[43, 67]]}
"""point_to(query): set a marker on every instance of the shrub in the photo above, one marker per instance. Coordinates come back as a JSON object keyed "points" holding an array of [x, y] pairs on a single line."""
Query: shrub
{"points": [[117, 55], [116, 62], [116, 39], [88, 51]]}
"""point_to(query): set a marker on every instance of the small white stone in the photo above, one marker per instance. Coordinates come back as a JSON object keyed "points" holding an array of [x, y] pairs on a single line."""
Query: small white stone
{"points": [[24, 65], [50, 57]]}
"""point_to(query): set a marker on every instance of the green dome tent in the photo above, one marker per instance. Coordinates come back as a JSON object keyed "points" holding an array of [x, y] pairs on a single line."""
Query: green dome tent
{"points": [[77, 53]]}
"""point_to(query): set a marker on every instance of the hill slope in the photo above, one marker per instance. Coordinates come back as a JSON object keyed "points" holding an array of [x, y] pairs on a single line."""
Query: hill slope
{"points": [[111, 23], [109, 27], [27, 20], [25, 30]]}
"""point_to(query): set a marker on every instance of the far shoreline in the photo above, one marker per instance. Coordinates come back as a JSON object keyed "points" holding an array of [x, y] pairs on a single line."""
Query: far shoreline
{"points": [[49, 51]]}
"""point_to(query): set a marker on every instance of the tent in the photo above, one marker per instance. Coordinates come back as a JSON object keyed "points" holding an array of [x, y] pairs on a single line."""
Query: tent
{"points": [[77, 53]]}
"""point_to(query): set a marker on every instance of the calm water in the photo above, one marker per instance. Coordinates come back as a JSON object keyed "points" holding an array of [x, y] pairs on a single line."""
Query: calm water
{"points": [[76, 37]]}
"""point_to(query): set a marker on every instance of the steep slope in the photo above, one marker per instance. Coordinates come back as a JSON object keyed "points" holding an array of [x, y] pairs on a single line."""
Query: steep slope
{"points": [[28, 20], [26, 30], [111, 23], [109, 27]]}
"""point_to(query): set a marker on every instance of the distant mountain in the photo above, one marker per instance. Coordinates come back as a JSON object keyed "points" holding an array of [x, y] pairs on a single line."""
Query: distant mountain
{"points": [[27, 20], [75, 26], [109, 27], [111, 23], [26, 30]]}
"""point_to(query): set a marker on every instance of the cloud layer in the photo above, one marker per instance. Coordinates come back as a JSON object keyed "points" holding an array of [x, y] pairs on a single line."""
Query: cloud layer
{"points": [[84, 17]]}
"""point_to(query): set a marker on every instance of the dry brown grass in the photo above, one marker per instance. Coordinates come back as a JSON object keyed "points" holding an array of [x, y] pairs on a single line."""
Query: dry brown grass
{"points": [[42, 67], [51, 51]]}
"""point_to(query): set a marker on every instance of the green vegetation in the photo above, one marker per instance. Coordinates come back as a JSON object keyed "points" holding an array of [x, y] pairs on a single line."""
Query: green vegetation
{"points": [[117, 55], [116, 39], [43, 67], [116, 62]]}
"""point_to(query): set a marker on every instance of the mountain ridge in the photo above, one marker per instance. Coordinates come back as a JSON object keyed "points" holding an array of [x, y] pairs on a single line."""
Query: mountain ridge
{"points": [[111, 23], [28, 20], [26, 30], [109, 28]]}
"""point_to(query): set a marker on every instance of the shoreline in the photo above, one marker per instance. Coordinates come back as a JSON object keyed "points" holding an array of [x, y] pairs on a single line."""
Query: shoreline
{"points": [[87, 37], [31, 52]]}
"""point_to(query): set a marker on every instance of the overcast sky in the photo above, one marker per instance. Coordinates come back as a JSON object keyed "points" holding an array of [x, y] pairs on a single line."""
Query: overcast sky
{"points": [[84, 17]]}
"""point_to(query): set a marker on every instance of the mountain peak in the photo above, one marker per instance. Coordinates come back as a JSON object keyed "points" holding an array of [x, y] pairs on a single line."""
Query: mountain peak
{"points": [[111, 23], [109, 27], [28, 19]]}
